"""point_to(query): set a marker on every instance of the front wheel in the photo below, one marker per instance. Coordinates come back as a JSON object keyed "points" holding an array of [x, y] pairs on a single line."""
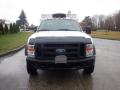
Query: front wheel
{"points": [[88, 70], [30, 69]]}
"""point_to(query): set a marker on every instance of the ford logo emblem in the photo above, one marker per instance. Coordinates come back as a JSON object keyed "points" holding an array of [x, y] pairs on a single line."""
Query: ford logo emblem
{"points": [[60, 51]]}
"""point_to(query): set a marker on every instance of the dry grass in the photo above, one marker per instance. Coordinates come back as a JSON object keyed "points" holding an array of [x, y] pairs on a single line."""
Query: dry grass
{"points": [[106, 35]]}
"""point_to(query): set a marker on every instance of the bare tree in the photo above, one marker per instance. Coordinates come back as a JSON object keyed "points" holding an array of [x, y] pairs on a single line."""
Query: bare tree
{"points": [[102, 21], [98, 21], [109, 23], [117, 21], [95, 20]]}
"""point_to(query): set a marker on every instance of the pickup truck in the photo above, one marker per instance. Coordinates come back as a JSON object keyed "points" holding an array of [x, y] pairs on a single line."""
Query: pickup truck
{"points": [[60, 43]]}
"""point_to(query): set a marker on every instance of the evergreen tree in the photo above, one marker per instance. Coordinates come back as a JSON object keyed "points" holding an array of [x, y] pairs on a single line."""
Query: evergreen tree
{"points": [[11, 28], [1, 29], [22, 20], [6, 29], [17, 28], [14, 28]]}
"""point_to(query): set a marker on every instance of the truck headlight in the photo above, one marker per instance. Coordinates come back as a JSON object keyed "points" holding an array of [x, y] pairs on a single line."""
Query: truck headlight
{"points": [[30, 50], [89, 50]]}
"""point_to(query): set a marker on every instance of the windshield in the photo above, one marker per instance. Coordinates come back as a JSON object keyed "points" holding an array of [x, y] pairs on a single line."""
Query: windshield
{"points": [[59, 25]]}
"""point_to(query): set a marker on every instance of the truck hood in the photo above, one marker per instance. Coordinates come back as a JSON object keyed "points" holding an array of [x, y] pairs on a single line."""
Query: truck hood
{"points": [[61, 36]]}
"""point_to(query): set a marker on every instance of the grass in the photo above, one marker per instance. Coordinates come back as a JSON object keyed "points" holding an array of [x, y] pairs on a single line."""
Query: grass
{"points": [[12, 41], [112, 35]]}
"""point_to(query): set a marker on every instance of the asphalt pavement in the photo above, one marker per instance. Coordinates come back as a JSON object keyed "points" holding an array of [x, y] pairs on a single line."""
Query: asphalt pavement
{"points": [[13, 74]]}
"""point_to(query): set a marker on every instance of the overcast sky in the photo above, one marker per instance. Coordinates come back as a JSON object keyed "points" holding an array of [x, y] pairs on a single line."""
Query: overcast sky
{"points": [[10, 9]]}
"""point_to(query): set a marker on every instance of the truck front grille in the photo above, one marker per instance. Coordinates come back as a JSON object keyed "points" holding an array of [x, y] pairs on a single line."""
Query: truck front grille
{"points": [[48, 51]]}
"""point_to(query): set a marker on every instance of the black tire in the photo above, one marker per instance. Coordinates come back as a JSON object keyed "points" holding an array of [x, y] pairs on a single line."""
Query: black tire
{"points": [[89, 70], [30, 69]]}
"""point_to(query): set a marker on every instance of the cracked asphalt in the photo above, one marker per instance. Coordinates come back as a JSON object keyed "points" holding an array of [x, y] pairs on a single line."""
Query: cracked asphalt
{"points": [[13, 74]]}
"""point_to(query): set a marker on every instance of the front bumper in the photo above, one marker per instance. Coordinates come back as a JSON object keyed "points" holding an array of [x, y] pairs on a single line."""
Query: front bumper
{"points": [[50, 64]]}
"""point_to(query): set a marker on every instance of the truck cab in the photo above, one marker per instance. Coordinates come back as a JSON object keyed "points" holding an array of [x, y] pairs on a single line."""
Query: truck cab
{"points": [[60, 43]]}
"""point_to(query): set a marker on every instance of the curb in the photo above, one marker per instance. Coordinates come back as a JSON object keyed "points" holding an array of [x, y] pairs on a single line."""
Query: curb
{"points": [[12, 51], [106, 38]]}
